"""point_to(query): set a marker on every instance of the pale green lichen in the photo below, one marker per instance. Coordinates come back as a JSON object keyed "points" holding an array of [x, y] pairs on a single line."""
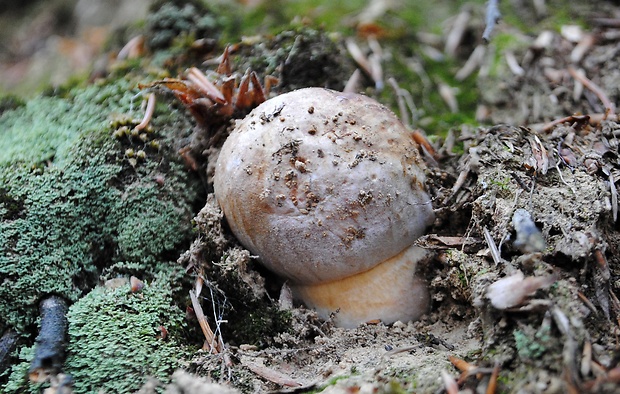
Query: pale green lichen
{"points": [[72, 204], [116, 340]]}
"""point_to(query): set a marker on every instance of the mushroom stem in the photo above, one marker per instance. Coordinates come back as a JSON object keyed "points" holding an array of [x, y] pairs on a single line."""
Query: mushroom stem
{"points": [[388, 292]]}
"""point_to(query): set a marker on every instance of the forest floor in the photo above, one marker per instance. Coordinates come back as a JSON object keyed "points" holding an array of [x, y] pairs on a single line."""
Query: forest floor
{"points": [[525, 269]]}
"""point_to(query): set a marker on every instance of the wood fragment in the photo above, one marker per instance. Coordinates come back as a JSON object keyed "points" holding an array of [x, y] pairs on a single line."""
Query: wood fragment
{"points": [[270, 374], [50, 343], [285, 302]]}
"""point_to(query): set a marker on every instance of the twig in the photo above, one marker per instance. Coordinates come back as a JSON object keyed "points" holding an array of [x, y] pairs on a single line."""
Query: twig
{"points": [[578, 119], [492, 18], [580, 50], [270, 374], [587, 302], [609, 106], [50, 343], [214, 345], [8, 342]]}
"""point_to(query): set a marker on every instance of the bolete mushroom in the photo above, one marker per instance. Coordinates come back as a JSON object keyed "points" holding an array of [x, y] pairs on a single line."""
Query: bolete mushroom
{"points": [[327, 189]]}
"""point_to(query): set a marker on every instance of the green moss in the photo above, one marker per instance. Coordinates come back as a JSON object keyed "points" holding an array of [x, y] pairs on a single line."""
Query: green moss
{"points": [[115, 338], [71, 203], [299, 57], [180, 24], [18, 381]]}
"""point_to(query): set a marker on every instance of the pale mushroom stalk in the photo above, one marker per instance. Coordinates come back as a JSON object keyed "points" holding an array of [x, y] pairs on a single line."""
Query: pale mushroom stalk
{"points": [[327, 188], [358, 298]]}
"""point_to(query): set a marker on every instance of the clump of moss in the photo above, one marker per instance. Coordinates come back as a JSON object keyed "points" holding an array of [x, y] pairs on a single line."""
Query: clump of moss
{"points": [[299, 57], [72, 203], [116, 339], [181, 24]]}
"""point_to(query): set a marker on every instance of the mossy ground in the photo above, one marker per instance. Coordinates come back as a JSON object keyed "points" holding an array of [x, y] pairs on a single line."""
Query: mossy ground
{"points": [[73, 203]]}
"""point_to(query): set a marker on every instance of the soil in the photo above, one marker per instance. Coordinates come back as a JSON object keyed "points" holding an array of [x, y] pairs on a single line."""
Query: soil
{"points": [[524, 273]]}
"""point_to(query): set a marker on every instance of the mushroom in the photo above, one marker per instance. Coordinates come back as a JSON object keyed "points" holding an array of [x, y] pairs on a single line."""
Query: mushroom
{"points": [[327, 189]]}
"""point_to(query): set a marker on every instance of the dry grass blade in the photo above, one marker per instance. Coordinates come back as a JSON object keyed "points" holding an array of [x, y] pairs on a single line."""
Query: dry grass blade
{"points": [[448, 94], [353, 83], [210, 340]]}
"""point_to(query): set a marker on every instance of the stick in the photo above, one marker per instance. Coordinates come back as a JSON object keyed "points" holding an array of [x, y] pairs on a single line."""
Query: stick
{"points": [[493, 16], [50, 343], [7, 345], [610, 108]]}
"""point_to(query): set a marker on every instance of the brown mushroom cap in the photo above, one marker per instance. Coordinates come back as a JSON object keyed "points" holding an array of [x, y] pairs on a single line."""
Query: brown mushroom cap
{"points": [[322, 185]]}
